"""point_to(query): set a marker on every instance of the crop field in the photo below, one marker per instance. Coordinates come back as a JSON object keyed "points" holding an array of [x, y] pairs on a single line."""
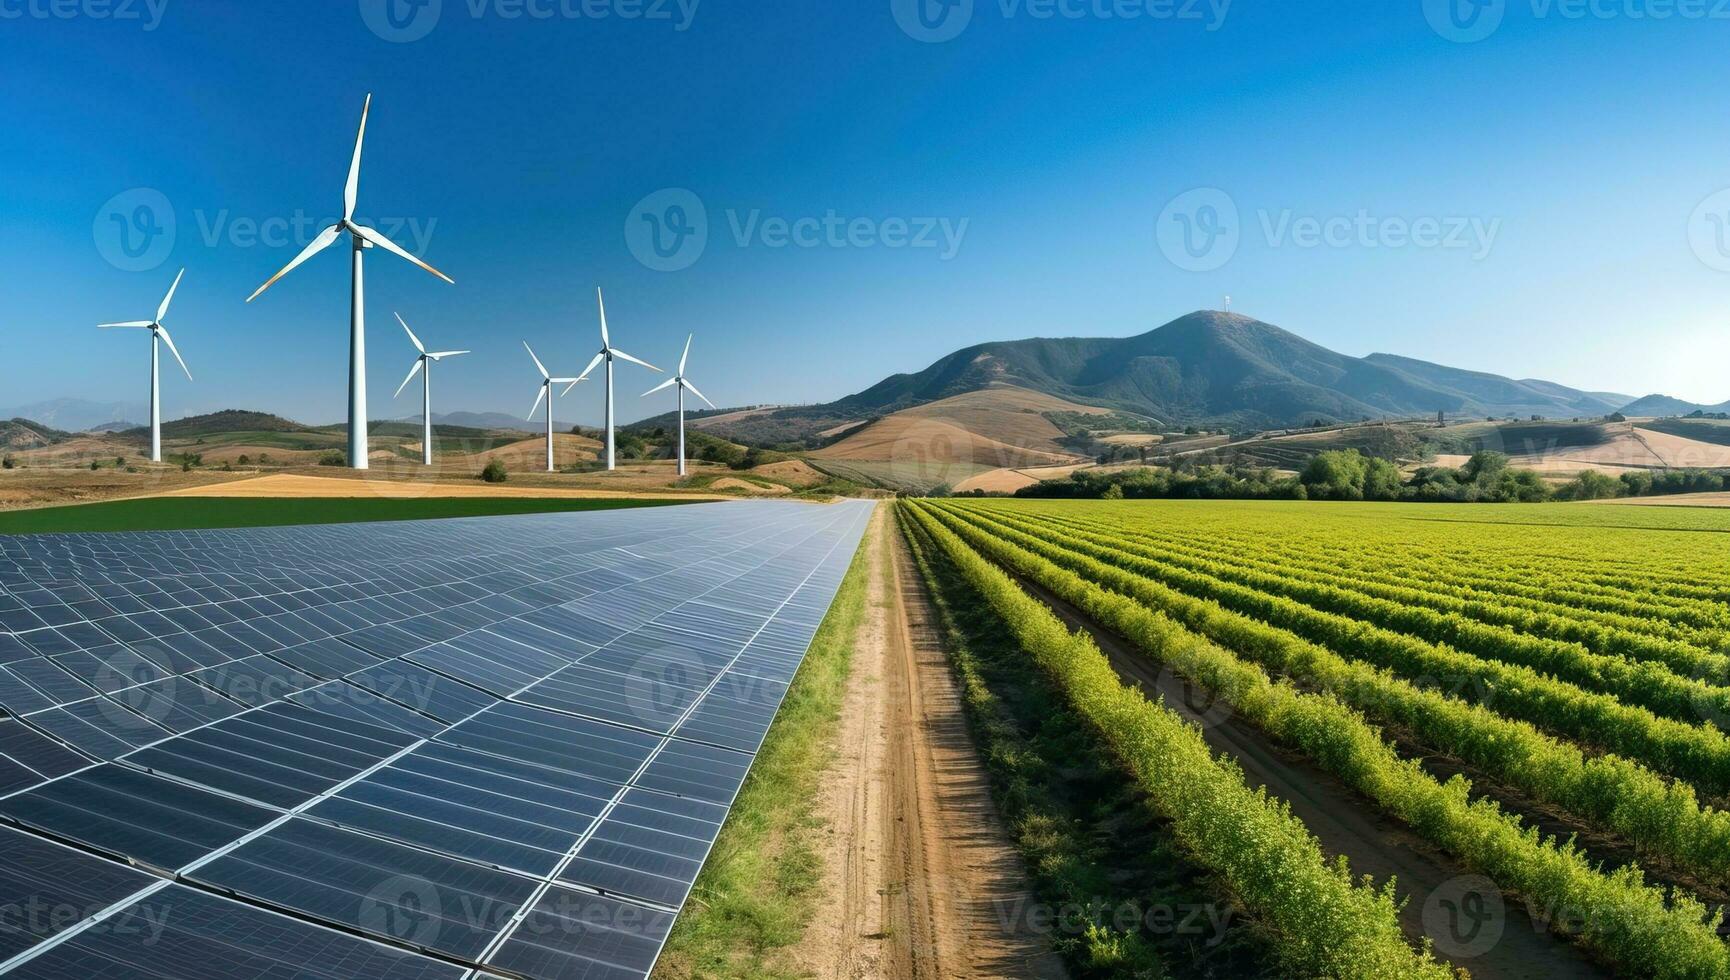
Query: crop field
{"points": [[1522, 710]]}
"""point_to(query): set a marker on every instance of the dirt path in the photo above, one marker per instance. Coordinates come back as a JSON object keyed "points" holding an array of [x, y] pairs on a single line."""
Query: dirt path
{"points": [[917, 866], [1347, 823]]}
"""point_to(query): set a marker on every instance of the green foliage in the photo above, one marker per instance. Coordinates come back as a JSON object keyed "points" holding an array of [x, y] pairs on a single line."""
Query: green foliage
{"points": [[1639, 929], [176, 513], [8, 462], [333, 457], [1330, 924], [494, 472]]}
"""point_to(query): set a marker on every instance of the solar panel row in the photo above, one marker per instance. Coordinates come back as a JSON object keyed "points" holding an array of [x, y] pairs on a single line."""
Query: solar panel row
{"points": [[495, 744]]}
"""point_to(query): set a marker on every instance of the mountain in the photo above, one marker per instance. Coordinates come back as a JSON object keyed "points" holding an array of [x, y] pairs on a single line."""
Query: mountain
{"points": [[1219, 369], [76, 414], [119, 426], [1653, 406]]}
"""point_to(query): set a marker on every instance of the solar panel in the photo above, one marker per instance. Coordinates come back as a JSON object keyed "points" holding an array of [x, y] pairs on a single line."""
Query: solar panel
{"points": [[489, 744]]}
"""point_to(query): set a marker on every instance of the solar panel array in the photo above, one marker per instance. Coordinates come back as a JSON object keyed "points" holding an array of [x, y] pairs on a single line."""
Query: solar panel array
{"points": [[464, 748]]}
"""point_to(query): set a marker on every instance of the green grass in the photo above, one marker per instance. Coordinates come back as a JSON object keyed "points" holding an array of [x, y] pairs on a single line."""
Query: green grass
{"points": [[191, 513], [757, 891]]}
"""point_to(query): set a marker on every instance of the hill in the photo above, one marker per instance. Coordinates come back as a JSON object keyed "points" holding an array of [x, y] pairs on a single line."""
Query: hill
{"points": [[25, 434], [216, 423], [1661, 406], [1209, 369], [76, 414]]}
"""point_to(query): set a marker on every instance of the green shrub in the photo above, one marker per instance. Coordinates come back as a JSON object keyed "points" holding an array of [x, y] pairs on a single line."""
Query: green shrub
{"points": [[333, 457], [494, 472]]}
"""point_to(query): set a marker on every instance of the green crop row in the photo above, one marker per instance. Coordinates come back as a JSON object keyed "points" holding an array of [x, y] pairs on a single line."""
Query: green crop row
{"points": [[1330, 925], [1628, 675], [1636, 928], [1695, 753], [1657, 815]]}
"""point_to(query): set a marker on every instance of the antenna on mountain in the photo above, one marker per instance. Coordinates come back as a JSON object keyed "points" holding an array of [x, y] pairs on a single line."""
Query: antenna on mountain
{"points": [[1228, 303]]}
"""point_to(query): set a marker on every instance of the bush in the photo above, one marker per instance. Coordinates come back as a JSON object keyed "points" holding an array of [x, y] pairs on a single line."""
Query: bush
{"points": [[495, 472], [7, 462], [244, 459], [95, 465], [333, 457]]}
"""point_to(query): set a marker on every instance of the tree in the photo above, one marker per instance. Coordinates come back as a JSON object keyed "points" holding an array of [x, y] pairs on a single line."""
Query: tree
{"points": [[1337, 474], [494, 472]]}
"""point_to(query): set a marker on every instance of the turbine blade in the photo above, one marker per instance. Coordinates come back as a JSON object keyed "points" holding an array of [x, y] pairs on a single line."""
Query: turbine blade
{"points": [[538, 396], [538, 364], [385, 243], [437, 355], [633, 360], [411, 373], [602, 302], [591, 367], [693, 390], [353, 187], [170, 341], [323, 241], [411, 336], [129, 323], [162, 311], [665, 384], [573, 383], [685, 355]]}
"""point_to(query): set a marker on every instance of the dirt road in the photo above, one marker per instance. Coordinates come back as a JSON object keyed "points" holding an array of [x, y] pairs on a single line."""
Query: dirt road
{"points": [[917, 866]]}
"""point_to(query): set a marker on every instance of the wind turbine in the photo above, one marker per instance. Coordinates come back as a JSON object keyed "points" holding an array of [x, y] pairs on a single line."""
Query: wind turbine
{"points": [[608, 353], [423, 362], [547, 382], [683, 384], [158, 332], [363, 238]]}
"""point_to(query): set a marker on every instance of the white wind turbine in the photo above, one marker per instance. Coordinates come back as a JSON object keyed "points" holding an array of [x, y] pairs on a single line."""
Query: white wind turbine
{"points": [[158, 332], [683, 384], [608, 353], [363, 238], [423, 363], [547, 382]]}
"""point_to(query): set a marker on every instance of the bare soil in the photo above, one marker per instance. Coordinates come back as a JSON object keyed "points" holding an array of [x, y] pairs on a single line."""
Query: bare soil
{"points": [[916, 864]]}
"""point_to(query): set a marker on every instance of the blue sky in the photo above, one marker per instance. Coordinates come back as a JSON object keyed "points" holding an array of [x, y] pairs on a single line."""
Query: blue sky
{"points": [[1522, 202]]}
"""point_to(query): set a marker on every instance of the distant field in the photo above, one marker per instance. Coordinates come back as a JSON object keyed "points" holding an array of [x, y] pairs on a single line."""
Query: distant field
{"points": [[191, 513]]}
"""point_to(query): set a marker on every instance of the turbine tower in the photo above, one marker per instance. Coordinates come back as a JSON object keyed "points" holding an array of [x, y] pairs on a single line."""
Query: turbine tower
{"points": [[362, 238], [608, 353], [423, 363], [683, 384], [547, 382], [158, 332]]}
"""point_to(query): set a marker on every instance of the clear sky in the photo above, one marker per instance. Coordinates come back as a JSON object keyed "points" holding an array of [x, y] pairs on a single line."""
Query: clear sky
{"points": [[1520, 200]]}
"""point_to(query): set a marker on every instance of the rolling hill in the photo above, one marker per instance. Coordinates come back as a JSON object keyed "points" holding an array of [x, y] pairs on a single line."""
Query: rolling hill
{"points": [[1218, 370], [1659, 406]]}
